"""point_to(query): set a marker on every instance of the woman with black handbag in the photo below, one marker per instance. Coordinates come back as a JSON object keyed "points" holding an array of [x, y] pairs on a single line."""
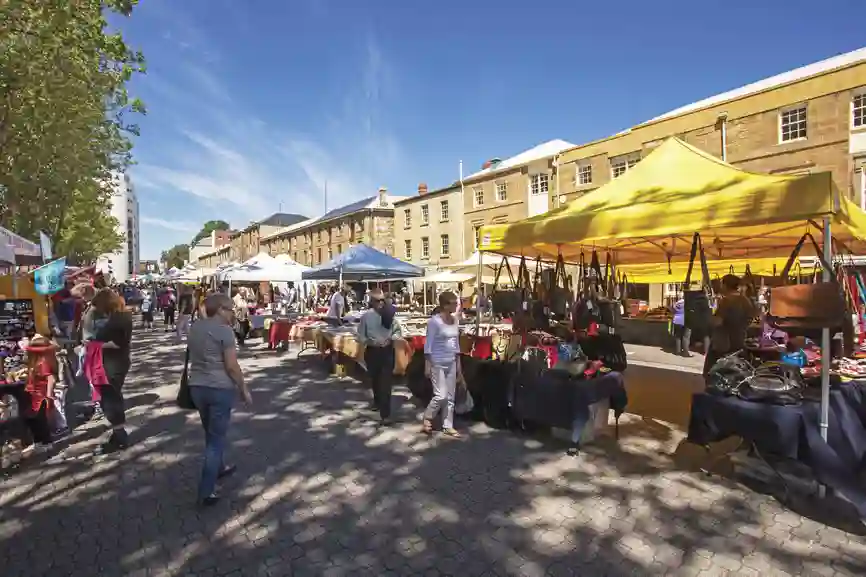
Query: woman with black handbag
{"points": [[214, 378]]}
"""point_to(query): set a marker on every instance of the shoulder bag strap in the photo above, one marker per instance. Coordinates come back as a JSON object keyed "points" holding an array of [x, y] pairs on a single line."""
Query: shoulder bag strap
{"points": [[696, 239], [796, 252]]}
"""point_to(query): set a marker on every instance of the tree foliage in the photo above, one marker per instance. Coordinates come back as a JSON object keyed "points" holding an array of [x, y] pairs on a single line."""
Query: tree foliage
{"points": [[176, 256], [208, 228], [64, 120]]}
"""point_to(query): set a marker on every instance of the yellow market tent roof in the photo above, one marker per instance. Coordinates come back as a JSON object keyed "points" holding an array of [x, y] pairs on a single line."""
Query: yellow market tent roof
{"points": [[650, 213], [652, 273]]}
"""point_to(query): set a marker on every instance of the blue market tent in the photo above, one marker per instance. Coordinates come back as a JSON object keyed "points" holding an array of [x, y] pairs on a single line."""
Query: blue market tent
{"points": [[362, 263]]}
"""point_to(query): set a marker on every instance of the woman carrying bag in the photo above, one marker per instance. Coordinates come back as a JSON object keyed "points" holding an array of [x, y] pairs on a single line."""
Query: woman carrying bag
{"points": [[442, 364], [211, 382]]}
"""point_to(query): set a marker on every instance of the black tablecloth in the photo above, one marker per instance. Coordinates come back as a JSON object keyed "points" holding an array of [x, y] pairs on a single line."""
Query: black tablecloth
{"points": [[557, 399], [794, 432]]}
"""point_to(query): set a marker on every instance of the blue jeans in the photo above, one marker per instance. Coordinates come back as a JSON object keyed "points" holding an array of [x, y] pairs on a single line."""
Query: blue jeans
{"points": [[215, 409]]}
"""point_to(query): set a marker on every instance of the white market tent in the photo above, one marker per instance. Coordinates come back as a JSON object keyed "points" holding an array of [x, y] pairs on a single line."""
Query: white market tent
{"points": [[490, 263], [265, 268]]}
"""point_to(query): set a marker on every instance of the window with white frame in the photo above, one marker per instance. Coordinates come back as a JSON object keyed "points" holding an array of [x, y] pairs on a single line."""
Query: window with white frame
{"points": [[407, 249], [425, 214], [501, 191], [407, 218], [478, 196], [425, 247], [619, 165], [538, 184], [858, 110], [792, 124], [443, 211], [445, 245], [583, 174]]}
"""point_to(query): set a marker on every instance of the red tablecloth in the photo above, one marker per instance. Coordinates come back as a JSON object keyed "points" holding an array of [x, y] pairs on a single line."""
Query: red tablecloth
{"points": [[279, 333]]}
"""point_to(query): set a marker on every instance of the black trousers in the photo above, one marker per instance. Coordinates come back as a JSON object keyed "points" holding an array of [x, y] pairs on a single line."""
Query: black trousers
{"points": [[168, 313], [380, 370], [243, 329], [39, 424], [113, 403]]}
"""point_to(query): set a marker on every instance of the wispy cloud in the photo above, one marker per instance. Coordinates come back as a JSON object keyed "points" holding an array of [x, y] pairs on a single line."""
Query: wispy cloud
{"points": [[236, 164], [173, 225]]}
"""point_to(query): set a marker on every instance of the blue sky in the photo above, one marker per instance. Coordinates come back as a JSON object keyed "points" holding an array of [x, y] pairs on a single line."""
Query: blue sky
{"points": [[254, 104]]}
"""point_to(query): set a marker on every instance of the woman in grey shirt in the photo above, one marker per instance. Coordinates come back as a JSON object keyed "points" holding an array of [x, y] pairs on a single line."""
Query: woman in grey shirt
{"points": [[215, 378]]}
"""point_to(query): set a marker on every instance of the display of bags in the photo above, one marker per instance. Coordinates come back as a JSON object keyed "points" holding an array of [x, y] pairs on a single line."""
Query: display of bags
{"points": [[509, 302], [805, 309]]}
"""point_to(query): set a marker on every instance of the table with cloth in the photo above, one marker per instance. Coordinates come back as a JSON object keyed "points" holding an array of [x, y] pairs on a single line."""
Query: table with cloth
{"points": [[555, 398], [344, 341], [793, 432]]}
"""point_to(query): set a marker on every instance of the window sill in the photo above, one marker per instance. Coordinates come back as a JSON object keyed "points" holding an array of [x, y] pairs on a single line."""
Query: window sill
{"points": [[792, 141], [425, 224]]}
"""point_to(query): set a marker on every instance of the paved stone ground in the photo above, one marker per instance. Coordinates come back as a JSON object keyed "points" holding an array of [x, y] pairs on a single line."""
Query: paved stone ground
{"points": [[322, 491]]}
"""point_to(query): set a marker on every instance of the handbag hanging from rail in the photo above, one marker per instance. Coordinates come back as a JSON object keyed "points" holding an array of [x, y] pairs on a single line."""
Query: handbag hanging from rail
{"points": [[805, 309], [505, 302], [697, 314]]}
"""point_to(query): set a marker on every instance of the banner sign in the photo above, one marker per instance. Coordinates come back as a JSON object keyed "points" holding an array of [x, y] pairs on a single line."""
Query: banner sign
{"points": [[45, 246], [50, 278]]}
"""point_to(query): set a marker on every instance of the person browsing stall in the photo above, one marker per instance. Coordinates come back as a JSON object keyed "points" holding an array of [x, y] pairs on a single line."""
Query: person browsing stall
{"points": [[376, 333], [730, 322], [337, 307]]}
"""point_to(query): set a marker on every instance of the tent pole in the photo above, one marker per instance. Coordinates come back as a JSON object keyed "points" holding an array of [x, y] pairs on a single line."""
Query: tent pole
{"points": [[481, 297], [825, 347]]}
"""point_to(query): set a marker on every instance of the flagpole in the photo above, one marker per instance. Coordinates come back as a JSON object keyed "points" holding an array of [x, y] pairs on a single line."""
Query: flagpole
{"points": [[462, 208]]}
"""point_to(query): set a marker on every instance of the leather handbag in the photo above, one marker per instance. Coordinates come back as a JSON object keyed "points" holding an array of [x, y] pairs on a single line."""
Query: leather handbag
{"points": [[184, 396], [505, 302], [561, 298], [697, 314], [804, 309]]}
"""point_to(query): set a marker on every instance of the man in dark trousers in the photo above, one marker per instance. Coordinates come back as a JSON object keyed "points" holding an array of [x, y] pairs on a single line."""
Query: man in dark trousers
{"points": [[376, 332]]}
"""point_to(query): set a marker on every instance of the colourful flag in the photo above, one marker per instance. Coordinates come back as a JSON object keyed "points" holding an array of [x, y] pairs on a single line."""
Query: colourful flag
{"points": [[50, 278]]}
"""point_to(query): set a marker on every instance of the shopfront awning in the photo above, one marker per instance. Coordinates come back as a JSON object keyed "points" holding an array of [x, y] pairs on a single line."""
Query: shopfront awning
{"points": [[649, 214]]}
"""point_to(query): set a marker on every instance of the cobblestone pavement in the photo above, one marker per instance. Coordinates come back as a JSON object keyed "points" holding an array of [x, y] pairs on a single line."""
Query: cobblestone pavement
{"points": [[322, 491]]}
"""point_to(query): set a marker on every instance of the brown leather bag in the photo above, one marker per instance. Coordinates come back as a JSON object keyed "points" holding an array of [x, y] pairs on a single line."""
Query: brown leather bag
{"points": [[805, 308]]}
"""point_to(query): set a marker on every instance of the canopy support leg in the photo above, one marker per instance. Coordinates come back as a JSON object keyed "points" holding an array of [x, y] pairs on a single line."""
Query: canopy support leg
{"points": [[825, 346]]}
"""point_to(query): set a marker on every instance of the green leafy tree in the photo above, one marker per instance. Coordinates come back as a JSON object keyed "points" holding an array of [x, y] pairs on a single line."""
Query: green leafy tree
{"points": [[176, 256], [64, 119], [208, 228]]}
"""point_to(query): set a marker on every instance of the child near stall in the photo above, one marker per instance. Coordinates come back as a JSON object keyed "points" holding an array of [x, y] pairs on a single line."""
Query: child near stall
{"points": [[42, 377]]}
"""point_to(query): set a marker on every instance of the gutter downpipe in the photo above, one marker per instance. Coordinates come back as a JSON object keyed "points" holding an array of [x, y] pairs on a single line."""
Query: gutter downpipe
{"points": [[723, 120]]}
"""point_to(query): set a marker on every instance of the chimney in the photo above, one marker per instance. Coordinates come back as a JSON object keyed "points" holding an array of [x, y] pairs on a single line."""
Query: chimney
{"points": [[383, 197], [422, 189]]}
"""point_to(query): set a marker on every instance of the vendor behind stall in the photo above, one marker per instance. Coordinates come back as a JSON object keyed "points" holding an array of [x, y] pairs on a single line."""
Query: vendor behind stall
{"points": [[730, 322]]}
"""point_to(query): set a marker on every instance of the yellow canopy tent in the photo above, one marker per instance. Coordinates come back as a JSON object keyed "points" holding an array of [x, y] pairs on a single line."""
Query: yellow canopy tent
{"points": [[650, 213], [653, 273]]}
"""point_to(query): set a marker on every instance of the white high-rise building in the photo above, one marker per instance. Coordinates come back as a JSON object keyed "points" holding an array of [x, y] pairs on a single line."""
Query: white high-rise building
{"points": [[123, 264]]}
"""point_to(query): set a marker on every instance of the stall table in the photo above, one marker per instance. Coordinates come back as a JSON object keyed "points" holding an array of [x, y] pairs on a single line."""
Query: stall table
{"points": [[793, 432]]}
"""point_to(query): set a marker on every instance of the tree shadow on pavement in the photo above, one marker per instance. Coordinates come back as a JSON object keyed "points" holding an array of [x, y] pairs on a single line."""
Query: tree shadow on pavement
{"points": [[322, 490]]}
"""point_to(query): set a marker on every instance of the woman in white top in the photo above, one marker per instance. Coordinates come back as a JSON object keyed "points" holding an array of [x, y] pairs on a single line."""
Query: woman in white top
{"points": [[442, 364]]}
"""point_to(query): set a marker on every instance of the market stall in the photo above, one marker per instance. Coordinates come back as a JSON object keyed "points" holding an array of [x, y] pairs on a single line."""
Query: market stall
{"points": [[649, 215]]}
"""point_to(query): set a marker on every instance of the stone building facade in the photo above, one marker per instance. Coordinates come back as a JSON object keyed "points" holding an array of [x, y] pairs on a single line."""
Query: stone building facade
{"points": [[428, 227], [511, 189], [369, 221]]}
